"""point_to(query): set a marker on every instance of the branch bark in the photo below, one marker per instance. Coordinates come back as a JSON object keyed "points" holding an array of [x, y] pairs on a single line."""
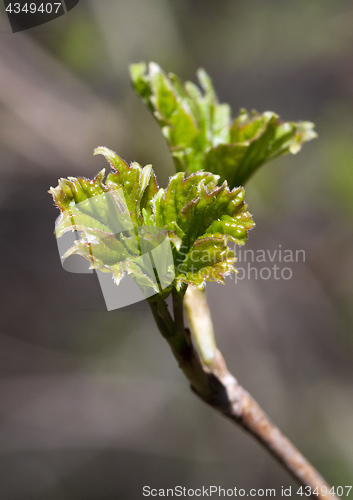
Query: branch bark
{"points": [[217, 387]]}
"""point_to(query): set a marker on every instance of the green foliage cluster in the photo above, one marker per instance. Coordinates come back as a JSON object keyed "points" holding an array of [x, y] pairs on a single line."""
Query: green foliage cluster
{"points": [[199, 215], [201, 134], [202, 208]]}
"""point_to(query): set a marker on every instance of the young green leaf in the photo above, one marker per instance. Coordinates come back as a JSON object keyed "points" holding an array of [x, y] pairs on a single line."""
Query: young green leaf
{"points": [[120, 217], [204, 215], [201, 134]]}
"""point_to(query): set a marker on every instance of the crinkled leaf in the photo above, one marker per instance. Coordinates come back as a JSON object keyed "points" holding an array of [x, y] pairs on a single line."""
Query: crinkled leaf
{"points": [[124, 216], [209, 259], [139, 184], [201, 134], [106, 213], [204, 215]]}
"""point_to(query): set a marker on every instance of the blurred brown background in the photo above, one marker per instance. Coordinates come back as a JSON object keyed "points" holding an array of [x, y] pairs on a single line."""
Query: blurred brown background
{"points": [[93, 406]]}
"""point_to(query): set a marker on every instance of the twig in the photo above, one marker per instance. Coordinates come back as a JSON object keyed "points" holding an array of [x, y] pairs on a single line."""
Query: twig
{"points": [[215, 385]]}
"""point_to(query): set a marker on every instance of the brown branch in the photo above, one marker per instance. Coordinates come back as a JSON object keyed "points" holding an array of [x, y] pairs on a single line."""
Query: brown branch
{"points": [[215, 385], [236, 403]]}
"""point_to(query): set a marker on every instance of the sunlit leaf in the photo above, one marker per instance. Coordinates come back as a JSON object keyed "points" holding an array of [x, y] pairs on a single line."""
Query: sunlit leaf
{"points": [[122, 217], [201, 134]]}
